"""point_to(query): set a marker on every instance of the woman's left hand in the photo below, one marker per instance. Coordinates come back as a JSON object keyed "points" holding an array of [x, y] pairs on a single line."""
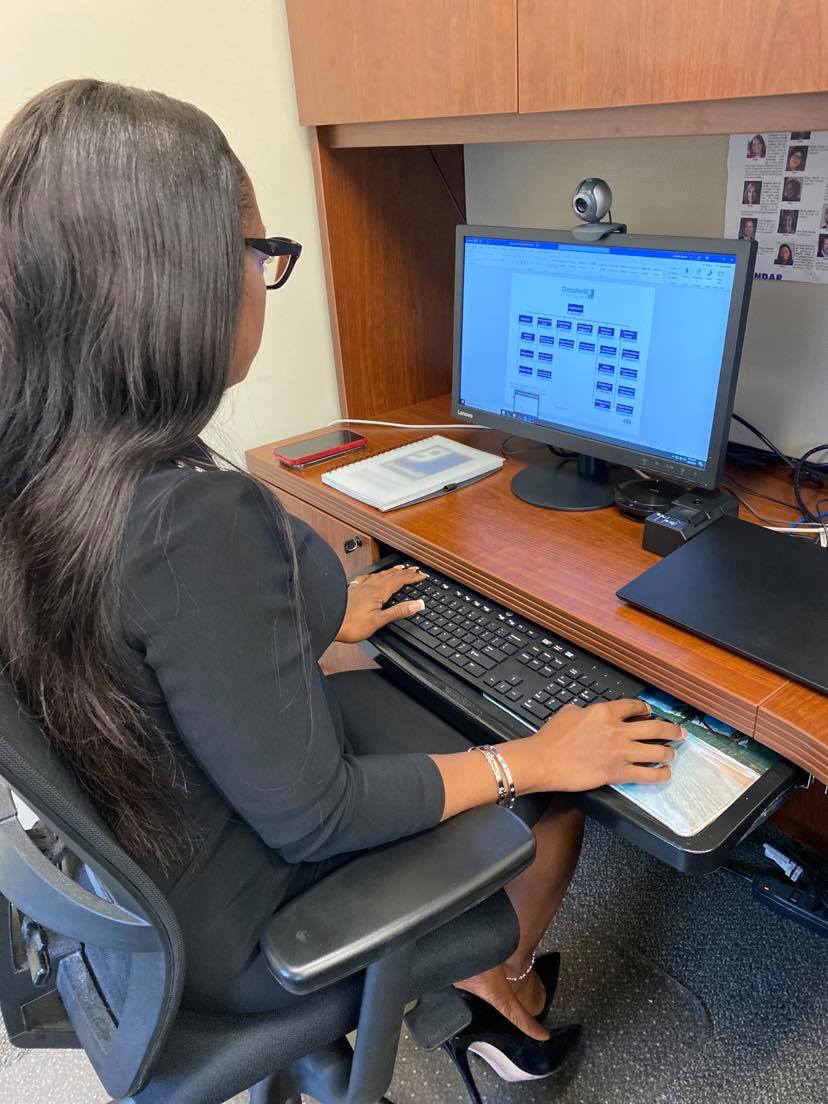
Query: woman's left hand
{"points": [[367, 594]]}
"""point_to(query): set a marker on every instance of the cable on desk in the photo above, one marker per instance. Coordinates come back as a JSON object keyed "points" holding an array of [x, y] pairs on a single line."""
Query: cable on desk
{"points": [[780, 455], [561, 453], [820, 515], [406, 425], [796, 528], [818, 536], [806, 523], [517, 452], [759, 494], [799, 470], [753, 457]]}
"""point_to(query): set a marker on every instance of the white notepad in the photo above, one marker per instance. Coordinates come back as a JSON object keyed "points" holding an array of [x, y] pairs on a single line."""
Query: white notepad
{"points": [[412, 473]]}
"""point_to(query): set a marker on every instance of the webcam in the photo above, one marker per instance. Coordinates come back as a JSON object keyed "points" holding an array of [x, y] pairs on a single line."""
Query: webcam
{"points": [[591, 201]]}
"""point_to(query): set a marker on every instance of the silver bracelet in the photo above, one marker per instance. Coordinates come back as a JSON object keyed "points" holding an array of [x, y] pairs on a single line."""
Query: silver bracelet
{"points": [[507, 774], [492, 760]]}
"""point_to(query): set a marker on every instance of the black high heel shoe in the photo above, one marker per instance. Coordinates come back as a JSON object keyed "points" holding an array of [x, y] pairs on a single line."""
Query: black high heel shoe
{"points": [[513, 1055], [548, 969]]}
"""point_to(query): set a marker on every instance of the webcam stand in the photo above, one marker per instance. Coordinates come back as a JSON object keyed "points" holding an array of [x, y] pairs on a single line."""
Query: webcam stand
{"points": [[595, 231]]}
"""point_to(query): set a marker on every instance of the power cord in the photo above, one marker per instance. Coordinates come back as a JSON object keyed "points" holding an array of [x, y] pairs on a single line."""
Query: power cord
{"points": [[760, 494], [406, 425], [800, 528], [796, 866], [439, 168], [765, 440], [753, 457], [508, 453], [800, 469]]}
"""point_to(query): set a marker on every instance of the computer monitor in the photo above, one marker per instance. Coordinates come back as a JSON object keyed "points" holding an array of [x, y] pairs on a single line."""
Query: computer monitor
{"points": [[625, 352]]}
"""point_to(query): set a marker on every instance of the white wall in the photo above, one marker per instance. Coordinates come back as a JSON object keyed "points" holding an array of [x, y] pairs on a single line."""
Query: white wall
{"points": [[232, 59], [674, 186]]}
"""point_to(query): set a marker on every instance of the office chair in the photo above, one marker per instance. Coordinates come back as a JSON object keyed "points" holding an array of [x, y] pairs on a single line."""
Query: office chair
{"points": [[91, 954]]}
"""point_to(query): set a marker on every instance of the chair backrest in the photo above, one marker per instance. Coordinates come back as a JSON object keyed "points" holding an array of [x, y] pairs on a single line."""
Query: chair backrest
{"points": [[93, 929]]}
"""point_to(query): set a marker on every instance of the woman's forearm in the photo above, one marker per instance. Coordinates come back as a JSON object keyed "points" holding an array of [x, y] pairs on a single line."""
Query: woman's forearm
{"points": [[469, 781]]}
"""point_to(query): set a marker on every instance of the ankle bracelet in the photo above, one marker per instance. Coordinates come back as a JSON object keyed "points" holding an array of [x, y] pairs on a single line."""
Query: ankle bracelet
{"points": [[526, 972]]}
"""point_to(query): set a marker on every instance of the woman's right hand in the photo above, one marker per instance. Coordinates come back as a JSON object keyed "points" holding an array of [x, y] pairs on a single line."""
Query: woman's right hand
{"points": [[581, 749]]}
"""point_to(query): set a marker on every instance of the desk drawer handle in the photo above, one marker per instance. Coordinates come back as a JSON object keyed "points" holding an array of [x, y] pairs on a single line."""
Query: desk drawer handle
{"points": [[351, 545]]}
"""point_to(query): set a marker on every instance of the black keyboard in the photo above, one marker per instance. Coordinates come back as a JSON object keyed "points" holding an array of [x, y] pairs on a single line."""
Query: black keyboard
{"points": [[518, 666], [472, 659]]}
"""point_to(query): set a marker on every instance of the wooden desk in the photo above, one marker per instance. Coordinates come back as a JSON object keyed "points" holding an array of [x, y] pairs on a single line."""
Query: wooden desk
{"points": [[562, 570]]}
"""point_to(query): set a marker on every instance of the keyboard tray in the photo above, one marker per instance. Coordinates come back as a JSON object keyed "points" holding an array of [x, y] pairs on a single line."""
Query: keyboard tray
{"points": [[463, 706]]}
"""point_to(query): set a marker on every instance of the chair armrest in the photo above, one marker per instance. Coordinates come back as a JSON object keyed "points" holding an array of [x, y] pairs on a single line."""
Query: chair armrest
{"points": [[394, 895]]}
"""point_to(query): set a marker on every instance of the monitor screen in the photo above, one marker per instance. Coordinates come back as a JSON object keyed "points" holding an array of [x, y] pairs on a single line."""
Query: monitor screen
{"points": [[619, 344]]}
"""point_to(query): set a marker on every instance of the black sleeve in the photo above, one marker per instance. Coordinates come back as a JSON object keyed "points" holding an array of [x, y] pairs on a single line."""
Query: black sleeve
{"points": [[207, 599]]}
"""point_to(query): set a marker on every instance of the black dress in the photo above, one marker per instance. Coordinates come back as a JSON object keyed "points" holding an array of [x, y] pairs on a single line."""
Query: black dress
{"points": [[286, 771]]}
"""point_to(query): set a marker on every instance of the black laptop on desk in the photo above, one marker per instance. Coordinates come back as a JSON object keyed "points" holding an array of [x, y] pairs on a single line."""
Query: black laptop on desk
{"points": [[756, 592]]}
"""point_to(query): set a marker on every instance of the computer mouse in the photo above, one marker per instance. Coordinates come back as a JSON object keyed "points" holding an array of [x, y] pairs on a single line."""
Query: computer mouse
{"points": [[655, 717]]}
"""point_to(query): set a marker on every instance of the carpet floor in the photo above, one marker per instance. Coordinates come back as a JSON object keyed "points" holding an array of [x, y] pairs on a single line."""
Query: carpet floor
{"points": [[689, 992]]}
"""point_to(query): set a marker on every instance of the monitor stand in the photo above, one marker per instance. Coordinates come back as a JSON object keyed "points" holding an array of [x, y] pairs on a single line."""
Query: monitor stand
{"points": [[576, 483]]}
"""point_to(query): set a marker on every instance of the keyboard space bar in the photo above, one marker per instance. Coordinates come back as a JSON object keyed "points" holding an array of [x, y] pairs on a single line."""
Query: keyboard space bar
{"points": [[514, 716], [416, 633]]}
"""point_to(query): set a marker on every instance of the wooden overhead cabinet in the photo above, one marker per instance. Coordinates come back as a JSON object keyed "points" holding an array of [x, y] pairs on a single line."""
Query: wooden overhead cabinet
{"points": [[590, 53], [357, 61]]}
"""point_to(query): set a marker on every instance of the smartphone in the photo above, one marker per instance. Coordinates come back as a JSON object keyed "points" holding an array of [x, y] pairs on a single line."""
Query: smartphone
{"points": [[315, 449]]}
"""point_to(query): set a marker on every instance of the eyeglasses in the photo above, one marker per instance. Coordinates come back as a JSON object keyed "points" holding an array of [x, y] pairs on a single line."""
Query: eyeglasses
{"points": [[280, 257]]}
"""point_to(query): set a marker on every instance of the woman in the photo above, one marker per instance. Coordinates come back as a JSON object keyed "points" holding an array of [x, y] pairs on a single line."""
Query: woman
{"points": [[751, 192], [797, 156], [784, 255], [163, 618], [756, 148]]}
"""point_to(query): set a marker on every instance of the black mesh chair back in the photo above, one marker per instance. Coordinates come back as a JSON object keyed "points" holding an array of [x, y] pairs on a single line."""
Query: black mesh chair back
{"points": [[90, 951]]}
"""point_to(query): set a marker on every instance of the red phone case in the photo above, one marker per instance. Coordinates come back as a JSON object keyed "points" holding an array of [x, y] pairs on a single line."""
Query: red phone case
{"points": [[325, 454]]}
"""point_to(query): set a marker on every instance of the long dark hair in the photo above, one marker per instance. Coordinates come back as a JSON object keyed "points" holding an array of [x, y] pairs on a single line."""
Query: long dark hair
{"points": [[121, 275]]}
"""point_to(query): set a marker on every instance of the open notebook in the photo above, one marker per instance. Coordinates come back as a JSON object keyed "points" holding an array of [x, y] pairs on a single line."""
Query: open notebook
{"points": [[412, 473]]}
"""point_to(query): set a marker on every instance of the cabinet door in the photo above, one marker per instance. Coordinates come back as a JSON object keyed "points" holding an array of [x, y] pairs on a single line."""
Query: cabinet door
{"points": [[591, 53], [357, 61], [356, 551]]}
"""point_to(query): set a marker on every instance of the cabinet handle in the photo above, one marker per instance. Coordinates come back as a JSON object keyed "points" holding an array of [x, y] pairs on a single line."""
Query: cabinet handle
{"points": [[351, 545]]}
